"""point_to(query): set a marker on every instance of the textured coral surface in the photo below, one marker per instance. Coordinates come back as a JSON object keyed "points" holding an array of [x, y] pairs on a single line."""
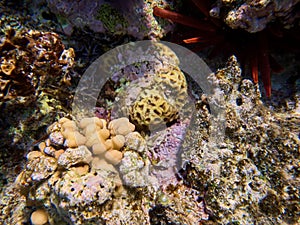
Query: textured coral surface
{"points": [[252, 175]]}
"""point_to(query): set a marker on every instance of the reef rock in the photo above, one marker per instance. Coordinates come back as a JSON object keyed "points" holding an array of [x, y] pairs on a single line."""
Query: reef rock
{"points": [[254, 16], [251, 175], [118, 17]]}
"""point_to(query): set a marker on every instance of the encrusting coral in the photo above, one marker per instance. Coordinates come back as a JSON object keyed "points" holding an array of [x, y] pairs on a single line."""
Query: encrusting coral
{"points": [[24, 62]]}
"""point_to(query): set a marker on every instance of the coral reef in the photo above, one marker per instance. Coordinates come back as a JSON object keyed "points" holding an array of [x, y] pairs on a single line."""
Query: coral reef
{"points": [[118, 18], [175, 175], [108, 170]]}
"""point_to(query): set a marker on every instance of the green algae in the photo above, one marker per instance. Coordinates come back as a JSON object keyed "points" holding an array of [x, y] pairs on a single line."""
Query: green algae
{"points": [[112, 20]]}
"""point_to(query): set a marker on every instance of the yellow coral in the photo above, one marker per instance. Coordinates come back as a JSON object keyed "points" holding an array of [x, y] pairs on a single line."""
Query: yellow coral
{"points": [[152, 109], [173, 84], [162, 103], [173, 77]]}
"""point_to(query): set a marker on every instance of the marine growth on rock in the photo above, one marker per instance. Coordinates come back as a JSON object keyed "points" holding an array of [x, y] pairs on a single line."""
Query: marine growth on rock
{"points": [[24, 62]]}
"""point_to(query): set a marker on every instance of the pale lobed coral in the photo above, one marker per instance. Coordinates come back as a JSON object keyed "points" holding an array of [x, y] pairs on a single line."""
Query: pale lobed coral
{"points": [[39, 217], [91, 136], [73, 168]]}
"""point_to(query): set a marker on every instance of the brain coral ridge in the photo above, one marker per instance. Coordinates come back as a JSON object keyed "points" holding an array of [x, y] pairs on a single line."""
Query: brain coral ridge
{"points": [[158, 103]]}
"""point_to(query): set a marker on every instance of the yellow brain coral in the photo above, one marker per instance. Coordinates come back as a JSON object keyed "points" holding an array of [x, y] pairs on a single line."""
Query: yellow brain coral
{"points": [[152, 109], [162, 101], [173, 85]]}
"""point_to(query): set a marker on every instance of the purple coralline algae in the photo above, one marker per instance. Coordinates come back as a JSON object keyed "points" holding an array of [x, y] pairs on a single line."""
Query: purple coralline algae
{"points": [[154, 160], [134, 18], [164, 153]]}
